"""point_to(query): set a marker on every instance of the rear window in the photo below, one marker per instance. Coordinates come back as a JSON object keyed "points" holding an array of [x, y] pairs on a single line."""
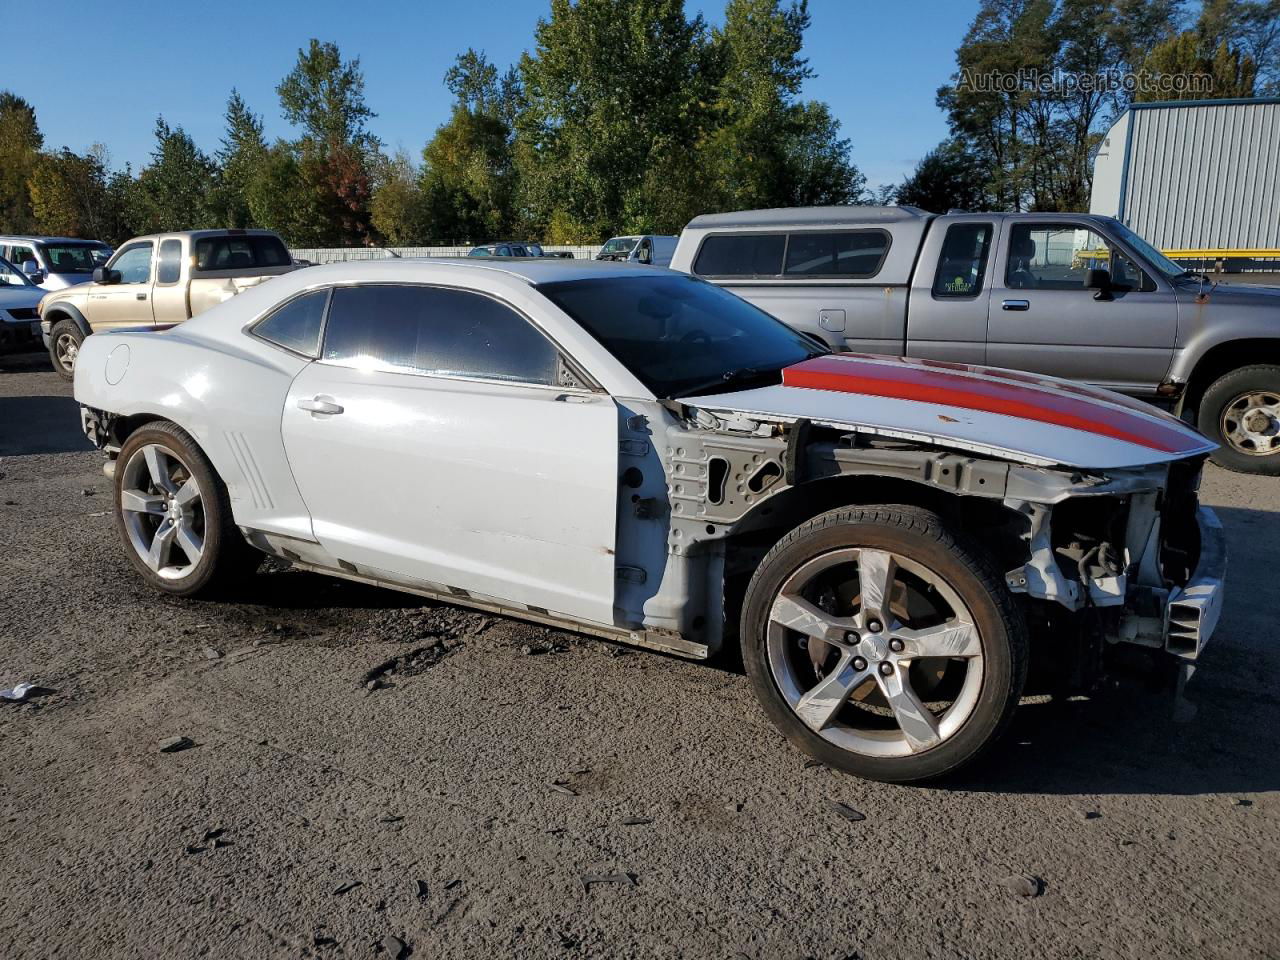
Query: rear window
{"points": [[846, 254], [741, 255], [240, 253]]}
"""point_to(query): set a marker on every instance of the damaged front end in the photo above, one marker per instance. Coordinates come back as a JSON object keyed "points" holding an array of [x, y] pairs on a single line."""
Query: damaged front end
{"points": [[1123, 556]]}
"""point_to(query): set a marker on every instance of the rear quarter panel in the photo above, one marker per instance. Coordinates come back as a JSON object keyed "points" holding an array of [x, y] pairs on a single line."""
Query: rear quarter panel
{"points": [[228, 395]]}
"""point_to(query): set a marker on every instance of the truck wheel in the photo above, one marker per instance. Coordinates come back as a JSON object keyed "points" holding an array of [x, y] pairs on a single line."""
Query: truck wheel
{"points": [[1241, 412], [64, 346], [881, 645], [174, 515]]}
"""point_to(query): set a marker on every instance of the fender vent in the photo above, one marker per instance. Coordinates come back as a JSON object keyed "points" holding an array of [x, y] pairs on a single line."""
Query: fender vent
{"points": [[243, 455]]}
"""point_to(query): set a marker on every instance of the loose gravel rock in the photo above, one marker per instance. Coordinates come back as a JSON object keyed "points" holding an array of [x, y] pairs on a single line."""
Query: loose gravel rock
{"points": [[297, 763]]}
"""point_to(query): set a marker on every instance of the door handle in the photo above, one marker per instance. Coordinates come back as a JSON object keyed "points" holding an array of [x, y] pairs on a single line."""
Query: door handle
{"points": [[576, 398], [320, 404], [142, 296], [1016, 305]]}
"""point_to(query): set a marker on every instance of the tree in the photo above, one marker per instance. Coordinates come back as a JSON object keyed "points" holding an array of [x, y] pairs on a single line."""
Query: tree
{"points": [[71, 195], [467, 181], [768, 148], [240, 158], [20, 143], [177, 190], [396, 209], [279, 200], [324, 95], [1226, 71], [949, 177], [612, 92]]}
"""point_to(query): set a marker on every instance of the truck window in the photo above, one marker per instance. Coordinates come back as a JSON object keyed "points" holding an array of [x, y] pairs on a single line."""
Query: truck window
{"points": [[740, 255], [962, 265], [240, 252], [856, 254], [1059, 256], [169, 263], [133, 263]]}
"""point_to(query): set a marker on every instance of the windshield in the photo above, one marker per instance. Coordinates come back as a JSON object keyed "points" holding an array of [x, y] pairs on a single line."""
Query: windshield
{"points": [[681, 335], [75, 257], [480, 252], [1158, 260], [11, 276], [620, 245]]}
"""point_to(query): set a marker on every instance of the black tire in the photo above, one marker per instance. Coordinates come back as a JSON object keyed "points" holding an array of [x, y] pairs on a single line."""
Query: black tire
{"points": [[922, 537], [1260, 379], [64, 336], [226, 560]]}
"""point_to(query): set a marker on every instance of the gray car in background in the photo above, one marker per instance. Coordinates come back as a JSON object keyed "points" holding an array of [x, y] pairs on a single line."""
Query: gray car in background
{"points": [[55, 263], [1070, 295]]}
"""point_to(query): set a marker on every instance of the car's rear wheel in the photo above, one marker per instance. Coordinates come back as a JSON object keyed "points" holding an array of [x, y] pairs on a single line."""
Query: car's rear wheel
{"points": [[1241, 412], [174, 515], [64, 346], [882, 645]]}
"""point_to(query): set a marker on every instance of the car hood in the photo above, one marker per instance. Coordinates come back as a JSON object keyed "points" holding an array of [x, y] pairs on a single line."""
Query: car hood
{"points": [[1017, 416], [61, 281], [16, 296]]}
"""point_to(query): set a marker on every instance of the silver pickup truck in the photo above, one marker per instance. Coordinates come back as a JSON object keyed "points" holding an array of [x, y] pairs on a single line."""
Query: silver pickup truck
{"points": [[1072, 295]]}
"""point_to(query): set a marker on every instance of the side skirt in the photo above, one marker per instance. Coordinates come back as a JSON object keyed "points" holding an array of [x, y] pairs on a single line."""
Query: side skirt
{"points": [[661, 641]]}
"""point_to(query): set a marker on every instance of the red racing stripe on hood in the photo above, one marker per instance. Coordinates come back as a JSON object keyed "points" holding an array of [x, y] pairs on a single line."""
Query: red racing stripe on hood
{"points": [[1044, 404]]}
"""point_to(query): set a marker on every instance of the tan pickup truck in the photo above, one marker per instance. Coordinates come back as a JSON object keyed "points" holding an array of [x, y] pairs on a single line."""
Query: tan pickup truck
{"points": [[158, 281]]}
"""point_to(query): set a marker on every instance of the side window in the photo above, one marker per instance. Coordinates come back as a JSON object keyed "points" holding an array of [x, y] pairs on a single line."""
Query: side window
{"points": [[1060, 256], [854, 254], [134, 263], [169, 263], [295, 325], [740, 255], [430, 330], [963, 263], [21, 255]]}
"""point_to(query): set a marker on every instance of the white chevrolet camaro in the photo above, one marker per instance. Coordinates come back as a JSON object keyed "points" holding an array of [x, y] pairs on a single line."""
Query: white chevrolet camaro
{"points": [[637, 454]]}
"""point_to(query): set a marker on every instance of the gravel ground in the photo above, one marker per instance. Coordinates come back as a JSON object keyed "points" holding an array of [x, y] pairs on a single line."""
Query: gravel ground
{"points": [[465, 804]]}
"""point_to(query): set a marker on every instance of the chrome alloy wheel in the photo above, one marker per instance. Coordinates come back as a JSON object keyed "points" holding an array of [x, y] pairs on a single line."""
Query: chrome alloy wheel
{"points": [[163, 511], [66, 348], [875, 652], [1251, 424]]}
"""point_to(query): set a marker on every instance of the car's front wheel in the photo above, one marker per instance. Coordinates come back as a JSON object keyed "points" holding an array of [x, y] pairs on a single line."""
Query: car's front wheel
{"points": [[174, 515], [64, 346], [1241, 411], [882, 645]]}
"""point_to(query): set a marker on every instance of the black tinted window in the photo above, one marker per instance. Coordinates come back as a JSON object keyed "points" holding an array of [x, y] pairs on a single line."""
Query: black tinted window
{"points": [[851, 254], [740, 255], [405, 329], [239, 253], [296, 324], [169, 264], [678, 334], [963, 263]]}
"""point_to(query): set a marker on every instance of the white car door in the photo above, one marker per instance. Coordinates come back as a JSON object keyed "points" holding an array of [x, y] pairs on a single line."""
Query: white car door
{"points": [[431, 440]]}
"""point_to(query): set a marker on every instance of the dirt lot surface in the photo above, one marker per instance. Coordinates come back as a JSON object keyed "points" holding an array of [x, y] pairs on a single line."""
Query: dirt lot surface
{"points": [[468, 805]]}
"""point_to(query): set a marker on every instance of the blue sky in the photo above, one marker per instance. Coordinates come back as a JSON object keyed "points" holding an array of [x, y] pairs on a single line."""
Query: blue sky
{"points": [[119, 66]]}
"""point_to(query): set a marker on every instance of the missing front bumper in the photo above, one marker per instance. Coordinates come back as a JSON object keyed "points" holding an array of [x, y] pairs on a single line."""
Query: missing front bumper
{"points": [[1192, 612]]}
